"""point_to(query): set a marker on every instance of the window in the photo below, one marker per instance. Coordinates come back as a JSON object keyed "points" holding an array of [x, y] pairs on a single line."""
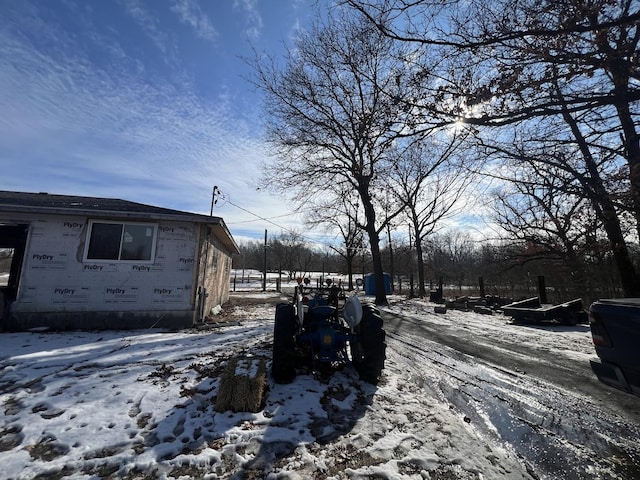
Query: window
{"points": [[134, 242], [6, 257]]}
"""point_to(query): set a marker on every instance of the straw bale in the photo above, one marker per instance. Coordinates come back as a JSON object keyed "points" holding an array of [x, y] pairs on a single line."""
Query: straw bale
{"points": [[242, 385]]}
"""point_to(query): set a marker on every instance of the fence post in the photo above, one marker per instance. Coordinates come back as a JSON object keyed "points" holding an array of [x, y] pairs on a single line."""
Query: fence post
{"points": [[542, 290], [264, 279]]}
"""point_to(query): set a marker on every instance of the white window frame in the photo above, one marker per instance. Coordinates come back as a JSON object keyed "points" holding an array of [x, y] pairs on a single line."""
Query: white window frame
{"points": [[154, 242]]}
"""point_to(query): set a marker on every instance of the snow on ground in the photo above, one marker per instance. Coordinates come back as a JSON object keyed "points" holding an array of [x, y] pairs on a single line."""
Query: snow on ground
{"points": [[140, 405], [552, 338]]}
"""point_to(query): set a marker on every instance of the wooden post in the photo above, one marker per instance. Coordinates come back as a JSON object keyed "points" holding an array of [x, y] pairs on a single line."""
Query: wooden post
{"points": [[264, 278], [390, 256], [542, 290], [279, 284]]}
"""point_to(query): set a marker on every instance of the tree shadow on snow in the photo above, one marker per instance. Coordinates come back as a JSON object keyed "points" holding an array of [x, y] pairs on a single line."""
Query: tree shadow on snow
{"points": [[307, 411]]}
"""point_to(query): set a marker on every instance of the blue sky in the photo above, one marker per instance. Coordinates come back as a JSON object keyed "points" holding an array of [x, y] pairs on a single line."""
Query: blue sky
{"points": [[142, 100]]}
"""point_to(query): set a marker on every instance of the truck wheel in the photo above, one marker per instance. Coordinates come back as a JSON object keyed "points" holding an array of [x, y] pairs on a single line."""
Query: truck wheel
{"points": [[368, 352], [284, 331], [570, 318]]}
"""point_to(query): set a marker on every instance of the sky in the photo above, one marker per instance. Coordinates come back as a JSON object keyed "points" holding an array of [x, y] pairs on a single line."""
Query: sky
{"points": [[143, 100]]}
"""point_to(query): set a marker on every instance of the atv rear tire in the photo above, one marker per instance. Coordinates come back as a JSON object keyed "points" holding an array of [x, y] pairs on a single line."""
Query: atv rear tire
{"points": [[368, 353], [284, 343]]}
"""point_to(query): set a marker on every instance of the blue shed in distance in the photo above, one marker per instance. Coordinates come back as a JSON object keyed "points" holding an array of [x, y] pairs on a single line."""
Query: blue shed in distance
{"points": [[370, 284]]}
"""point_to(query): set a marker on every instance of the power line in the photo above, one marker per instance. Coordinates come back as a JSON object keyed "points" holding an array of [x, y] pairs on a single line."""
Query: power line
{"points": [[292, 232], [260, 217], [270, 218]]}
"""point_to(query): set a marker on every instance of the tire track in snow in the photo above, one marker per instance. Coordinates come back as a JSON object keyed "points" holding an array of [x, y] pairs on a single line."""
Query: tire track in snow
{"points": [[553, 431]]}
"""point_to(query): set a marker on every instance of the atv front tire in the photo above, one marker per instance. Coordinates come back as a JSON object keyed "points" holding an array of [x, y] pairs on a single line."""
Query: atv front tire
{"points": [[284, 343], [368, 353]]}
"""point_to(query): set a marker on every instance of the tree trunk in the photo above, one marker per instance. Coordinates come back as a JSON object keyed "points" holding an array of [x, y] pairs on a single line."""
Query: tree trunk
{"points": [[632, 148], [606, 211], [422, 291], [626, 269], [622, 74], [374, 242], [349, 259], [378, 272]]}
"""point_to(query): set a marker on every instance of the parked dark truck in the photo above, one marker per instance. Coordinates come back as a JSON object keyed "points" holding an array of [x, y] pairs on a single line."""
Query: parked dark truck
{"points": [[615, 329]]}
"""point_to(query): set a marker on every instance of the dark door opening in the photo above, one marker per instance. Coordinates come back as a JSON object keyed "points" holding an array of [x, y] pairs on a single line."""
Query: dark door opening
{"points": [[13, 241]]}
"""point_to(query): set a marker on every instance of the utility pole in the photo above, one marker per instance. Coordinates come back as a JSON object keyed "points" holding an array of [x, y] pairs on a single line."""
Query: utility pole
{"points": [[264, 278], [390, 256], [216, 190]]}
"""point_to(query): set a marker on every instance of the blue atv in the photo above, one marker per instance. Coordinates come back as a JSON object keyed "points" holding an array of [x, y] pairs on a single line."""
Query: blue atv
{"points": [[326, 329]]}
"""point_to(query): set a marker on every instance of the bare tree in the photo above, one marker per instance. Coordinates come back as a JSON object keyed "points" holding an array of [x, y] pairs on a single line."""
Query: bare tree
{"points": [[522, 62], [575, 163], [542, 206], [333, 114], [430, 180], [341, 213], [291, 253], [451, 255]]}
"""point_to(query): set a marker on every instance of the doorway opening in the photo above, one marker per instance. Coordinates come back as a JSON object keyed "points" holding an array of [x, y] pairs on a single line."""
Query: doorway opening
{"points": [[13, 242]]}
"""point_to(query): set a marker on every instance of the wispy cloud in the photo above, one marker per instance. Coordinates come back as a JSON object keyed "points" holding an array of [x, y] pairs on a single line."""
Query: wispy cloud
{"points": [[150, 25], [71, 127], [90, 115], [253, 19], [190, 14]]}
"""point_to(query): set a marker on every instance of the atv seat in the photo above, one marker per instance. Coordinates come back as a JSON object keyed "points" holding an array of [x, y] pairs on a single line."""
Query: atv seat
{"points": [[323, 311]]}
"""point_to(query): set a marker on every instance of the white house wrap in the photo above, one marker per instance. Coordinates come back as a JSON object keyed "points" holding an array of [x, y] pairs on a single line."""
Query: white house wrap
{"points": [[82, 262]]}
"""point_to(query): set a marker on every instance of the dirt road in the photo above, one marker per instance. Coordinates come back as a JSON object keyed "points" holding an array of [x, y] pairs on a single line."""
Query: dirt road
{"points": [[528, 387]]}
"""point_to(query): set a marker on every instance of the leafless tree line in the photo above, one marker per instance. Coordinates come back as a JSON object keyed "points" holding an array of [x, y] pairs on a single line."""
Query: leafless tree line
{"points": [[454, 257]]}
